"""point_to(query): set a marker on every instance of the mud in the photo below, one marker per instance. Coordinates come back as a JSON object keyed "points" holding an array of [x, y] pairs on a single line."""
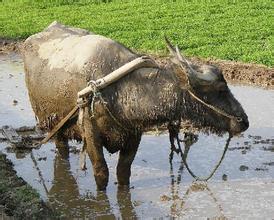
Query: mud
{"points": [[248, 74], [9, 46], [158, 190]]}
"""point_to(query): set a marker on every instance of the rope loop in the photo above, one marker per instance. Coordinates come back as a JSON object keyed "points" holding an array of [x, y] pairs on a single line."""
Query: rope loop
{"points": [[92, 84], [174, 135], [204, 179]]}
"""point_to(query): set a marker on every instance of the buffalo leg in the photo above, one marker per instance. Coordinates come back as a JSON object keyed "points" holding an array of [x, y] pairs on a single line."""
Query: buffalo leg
{"points": [[61, 144], [95, 152], [126, 157]]}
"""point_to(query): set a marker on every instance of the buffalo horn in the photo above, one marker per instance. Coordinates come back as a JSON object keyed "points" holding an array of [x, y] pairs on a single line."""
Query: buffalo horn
{"points": [[205, 76]]}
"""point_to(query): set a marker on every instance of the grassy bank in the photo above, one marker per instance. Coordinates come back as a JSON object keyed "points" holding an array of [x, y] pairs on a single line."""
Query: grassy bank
{"points": [[18, 198], [238, 30]]}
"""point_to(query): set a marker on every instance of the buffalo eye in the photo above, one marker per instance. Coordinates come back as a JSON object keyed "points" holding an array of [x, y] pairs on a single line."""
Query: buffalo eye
{"points": [[239, 119]]}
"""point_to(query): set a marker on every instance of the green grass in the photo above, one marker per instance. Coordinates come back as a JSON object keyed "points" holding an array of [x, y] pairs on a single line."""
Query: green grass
{"points": [[230, 30], [18, 198]]}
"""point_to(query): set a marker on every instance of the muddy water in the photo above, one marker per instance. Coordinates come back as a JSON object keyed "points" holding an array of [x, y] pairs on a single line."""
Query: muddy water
{"points": [[242, 188]]}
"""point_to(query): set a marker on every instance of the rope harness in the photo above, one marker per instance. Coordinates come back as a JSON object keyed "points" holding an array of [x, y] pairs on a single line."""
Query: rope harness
{"points": [[175, 135], [218, 110], [95, 96]]}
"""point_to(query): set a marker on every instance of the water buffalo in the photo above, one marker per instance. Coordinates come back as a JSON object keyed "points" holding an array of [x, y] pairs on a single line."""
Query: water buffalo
{"points": [[61, 60]]}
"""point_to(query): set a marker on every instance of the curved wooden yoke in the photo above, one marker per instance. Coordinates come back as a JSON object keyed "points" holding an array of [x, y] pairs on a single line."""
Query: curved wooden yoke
{"points": [[101, 83]]}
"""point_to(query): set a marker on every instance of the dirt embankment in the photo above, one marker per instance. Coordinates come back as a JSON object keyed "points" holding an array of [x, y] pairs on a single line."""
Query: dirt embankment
{"points": [[17, 198], [247, 74], [7, 46], [234, 72]]}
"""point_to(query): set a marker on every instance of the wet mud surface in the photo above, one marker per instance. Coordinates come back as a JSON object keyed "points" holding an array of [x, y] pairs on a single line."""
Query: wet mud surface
{"points": [[242, 188]]}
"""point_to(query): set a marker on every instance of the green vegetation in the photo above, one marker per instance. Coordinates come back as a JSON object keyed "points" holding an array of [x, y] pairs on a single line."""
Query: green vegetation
{"points": [[18, 198], [231, 30]]}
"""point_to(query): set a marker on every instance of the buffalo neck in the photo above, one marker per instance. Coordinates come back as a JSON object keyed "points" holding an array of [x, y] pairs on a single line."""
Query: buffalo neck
{"points": [[145, 98]]}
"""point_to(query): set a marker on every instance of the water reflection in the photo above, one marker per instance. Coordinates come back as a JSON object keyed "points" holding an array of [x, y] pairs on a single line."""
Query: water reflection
{"points": [[65, 197], [179, 206], [125, 204]]}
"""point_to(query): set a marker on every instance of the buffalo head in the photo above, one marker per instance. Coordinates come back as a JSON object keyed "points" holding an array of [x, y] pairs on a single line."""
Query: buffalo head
{"points": [[207, 100]]}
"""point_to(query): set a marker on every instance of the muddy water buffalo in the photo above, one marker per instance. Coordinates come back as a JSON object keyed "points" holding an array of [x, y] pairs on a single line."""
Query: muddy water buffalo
{"points": [[61, 60]]}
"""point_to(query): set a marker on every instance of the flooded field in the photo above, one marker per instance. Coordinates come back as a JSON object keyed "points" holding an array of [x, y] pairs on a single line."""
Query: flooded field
{"points": [[242, 188]]}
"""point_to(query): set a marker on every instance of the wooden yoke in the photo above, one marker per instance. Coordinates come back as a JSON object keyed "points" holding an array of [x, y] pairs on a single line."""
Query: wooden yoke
{"points": [[137, 63]]}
